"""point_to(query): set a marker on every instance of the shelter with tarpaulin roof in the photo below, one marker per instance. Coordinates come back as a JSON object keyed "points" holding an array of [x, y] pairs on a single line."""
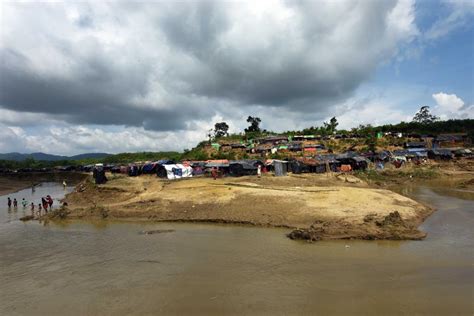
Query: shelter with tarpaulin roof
{"points": [[276, 139], [452, 140], [463, 153], [414, 145], [353, 159], [279, 167], [238, 168], [440, 154], [295, 146], [330, 161], [221, 165], [174, 171]]}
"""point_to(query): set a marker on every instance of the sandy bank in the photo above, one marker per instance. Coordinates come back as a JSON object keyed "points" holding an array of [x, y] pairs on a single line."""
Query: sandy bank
{"points": [[8, 186], [328, 206], [458, 176], [14, 182]]}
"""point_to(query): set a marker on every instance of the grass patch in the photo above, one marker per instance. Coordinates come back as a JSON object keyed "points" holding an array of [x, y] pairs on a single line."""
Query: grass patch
{"points": [[381, 176], [424, 173]]}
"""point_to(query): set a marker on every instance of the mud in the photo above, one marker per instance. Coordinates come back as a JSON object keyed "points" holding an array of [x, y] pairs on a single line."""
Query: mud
{"points": [[156, 231], [458, 174], [14, 182], [318, 206], [27, 218], [390, 227]]}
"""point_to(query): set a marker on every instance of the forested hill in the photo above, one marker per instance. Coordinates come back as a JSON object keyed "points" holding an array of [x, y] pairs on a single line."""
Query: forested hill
{"points": [[49, 157], [432, 128], [219, 134]]}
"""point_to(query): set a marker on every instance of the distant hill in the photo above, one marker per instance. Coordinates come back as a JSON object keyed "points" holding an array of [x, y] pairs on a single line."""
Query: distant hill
{"points": [[48, 157]]}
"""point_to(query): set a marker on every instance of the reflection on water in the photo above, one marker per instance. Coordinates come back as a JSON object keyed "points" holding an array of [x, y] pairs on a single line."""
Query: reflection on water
{"points": [[443, 187], [106, 268], [32, 195]]}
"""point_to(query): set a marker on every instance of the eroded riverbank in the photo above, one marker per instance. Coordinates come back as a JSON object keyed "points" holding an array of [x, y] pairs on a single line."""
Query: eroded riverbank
{"points": [[327, 206], [13, 182]]}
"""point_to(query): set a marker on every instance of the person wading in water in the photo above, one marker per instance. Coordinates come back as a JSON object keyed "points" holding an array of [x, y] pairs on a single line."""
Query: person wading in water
{"points": [[50, 201], [45, 204], [9, 202]]}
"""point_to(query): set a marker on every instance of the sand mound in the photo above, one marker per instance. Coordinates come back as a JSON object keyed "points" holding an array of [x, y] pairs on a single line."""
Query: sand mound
{"points": [[318, 205]]}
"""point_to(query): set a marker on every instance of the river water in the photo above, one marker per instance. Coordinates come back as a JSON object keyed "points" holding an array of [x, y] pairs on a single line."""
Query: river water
{"points": [[104, 268]]}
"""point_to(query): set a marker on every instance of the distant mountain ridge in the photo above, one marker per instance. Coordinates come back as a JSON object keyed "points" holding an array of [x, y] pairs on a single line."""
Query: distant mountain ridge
{"points": [[48, 157]]}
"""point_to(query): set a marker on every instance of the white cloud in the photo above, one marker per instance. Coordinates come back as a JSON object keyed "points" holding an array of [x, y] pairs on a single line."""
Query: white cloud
{"points": [[376, 111], [450, 106], [11, 139], [448, 102], [460, 14], [114, 77], [131, 64], [26, 119], [68, 140]]}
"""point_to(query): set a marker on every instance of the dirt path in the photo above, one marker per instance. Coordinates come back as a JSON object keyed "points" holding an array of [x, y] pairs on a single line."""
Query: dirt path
{"points": [[326, 206]]}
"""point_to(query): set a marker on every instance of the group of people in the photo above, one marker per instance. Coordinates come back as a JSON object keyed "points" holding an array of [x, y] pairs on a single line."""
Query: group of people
{"points": [[46, 204]]}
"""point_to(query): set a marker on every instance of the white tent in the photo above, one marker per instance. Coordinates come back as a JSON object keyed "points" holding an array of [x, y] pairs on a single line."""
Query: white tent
{"points": [[178, 171]]}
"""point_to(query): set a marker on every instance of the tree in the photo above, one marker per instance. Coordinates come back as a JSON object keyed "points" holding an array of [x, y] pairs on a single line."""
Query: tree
{"points": [[331, 126], [221, 129], [424, 116], [363, 130], [210, 134], [254, 124], [371, 142]]}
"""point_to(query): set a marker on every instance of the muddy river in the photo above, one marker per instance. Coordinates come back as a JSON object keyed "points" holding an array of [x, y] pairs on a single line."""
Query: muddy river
{"points": [[104, 268]]}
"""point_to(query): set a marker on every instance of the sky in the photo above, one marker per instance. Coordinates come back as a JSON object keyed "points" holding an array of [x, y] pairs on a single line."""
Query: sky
{"points": [[116, 77]]}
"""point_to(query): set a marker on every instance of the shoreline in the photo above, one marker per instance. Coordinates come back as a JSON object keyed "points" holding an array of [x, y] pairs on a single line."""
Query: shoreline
{"points": [[315, 207], [13, 188], [308, 234], [12, 183], [366, 206]]}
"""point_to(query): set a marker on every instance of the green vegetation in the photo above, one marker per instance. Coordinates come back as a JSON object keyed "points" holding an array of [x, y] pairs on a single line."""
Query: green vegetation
{"points": [[195, 154], [36, 164], [421, 173], [435, 128], [141, 156], [382, 176], [424, 116], [423, 124], [118, 158], [221, 129]]}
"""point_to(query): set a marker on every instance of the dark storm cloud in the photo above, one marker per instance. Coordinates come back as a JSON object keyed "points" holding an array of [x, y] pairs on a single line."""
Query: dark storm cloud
{"points": [[295, 86], [194, 27], [99, 94], [320, 72], [163, 65]]}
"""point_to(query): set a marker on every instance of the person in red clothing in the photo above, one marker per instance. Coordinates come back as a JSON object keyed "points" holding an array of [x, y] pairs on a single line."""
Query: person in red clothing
{"points": [[214, 173], [45, 204], [50, 201]]}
